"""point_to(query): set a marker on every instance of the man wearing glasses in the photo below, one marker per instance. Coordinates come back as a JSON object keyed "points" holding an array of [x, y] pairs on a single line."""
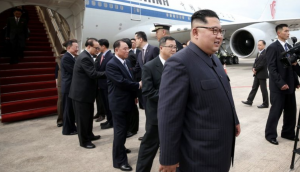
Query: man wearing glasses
{"points": [[83, 92], [197, 121], [163, 30]]}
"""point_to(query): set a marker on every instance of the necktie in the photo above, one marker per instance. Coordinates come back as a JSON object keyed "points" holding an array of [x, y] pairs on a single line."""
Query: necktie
{"points": [[127, 68], [17, 20], [286, 49], [143, 56], [102, 57]]}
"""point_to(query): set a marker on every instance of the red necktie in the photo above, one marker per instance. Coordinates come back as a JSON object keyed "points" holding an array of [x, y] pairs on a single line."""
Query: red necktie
{"points": [[102, 57]]}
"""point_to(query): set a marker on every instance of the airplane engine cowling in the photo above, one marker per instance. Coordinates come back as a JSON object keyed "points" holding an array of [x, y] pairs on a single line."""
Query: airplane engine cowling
{"points": [[243, 42]]}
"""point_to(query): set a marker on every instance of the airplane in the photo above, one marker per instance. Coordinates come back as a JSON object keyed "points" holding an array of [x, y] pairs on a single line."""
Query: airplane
{"points": [[116, 19]]}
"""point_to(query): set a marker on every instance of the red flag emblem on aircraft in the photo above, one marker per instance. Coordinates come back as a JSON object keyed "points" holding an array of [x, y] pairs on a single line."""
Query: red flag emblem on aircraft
{"points": [[273, 10]]}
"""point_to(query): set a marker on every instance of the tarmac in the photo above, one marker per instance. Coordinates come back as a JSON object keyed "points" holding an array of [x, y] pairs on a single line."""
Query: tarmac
{"points": [[37, 145]]}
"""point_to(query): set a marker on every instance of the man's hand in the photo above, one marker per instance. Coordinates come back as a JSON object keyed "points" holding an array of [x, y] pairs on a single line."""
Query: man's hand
{"points": [[140, 84], [237, 130], [168, 168], [7, 37], [56, 83], [254, 71], [294, 64], [298, 86], [285, 87], [136, 101]]}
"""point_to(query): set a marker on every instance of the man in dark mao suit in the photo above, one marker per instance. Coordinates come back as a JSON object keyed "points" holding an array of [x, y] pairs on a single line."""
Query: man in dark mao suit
{"points": [[196, 133], [121, 96], [283, 81], [260, 74], [83, 92], [151, 80], [67, 67]]}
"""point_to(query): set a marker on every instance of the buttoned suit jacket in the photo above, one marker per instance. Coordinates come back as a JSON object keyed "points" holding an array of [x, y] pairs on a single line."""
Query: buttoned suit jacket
{"points": [[102, 82], [67, 67], [83, 86], [196, 113], [278, 74], [260, 66], [122, 90], [14, 29], [151, 53], [151, 77]]}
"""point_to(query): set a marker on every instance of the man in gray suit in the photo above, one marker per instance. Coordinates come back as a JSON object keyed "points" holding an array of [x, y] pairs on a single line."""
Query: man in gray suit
{"points": [[197, 121]]}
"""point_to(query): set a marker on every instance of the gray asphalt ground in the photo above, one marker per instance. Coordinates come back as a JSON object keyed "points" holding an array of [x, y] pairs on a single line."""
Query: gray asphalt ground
{"points": [[38, 145]]}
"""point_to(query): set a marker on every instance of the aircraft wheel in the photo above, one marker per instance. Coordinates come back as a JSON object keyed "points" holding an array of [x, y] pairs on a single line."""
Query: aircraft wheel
{"points": [[229, 60], [235, 60], [223, 59]]}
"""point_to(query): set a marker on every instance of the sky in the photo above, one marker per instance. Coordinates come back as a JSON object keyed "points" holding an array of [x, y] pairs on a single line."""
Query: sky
{"points": [[285, 9]]}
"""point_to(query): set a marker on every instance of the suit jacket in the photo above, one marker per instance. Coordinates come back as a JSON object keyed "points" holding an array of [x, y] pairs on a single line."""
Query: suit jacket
{"points": [[279, 75], [178, 45], [84, 87], [151, 53], [260, 66], [151, 76], [196, 113], [14, 29], [102, 82], [67, 66], [132, 56], [121, 86]]}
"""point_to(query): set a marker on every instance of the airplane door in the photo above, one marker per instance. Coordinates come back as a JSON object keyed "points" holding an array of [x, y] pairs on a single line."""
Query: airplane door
{"points": [[135, 10]]}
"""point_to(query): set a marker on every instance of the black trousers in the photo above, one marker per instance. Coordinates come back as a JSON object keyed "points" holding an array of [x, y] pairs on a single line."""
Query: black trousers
{"points": [[142, 104], [104, 97], [84, 117], [279, 102], [17, 48], [100, 104], [68, 115], [120, 119], [148, 149], [60, 108], [263, 87], [134, 120]]}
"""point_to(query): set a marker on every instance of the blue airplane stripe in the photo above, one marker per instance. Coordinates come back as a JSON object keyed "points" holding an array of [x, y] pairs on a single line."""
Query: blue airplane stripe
{"points": [[144, 12]]}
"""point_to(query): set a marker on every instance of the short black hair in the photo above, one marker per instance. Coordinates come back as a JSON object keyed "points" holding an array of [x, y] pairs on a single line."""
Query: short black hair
{"points": [[280, 26], [104, 42], [117, 44], [183, 43], [69, 43], [132, 39], [163, 40], [141, 34], [90, 42], [264, 42], [201, 15], [127, 41], [17, 9]]}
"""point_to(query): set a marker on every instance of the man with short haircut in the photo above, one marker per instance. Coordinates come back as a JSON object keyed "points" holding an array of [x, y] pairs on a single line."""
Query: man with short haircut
{"points": [[282, 84], [67, 67], [196, 133], [17, 34], [148, 52], [101, 62], [163, 30], [83, 92], [151, 77], [121, 96], [260, 74]]}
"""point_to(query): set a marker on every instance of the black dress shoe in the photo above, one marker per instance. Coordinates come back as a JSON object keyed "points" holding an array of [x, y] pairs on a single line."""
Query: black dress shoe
{"points": [[101, 118], [262, 106], [96, 138], [126, 168], [59, 125], [88, 146], [130, 134], [247, 102], [107, 126], [273, 141], [72, 133], [290, 138], [141, 138], [127, 150], [103, 123]]}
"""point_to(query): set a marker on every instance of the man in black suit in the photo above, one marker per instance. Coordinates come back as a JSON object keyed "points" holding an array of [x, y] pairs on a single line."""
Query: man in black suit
{"points": [[151, 77], [83, 92], [101, 62], [67, 66], [17, 33], [260, 74], [121, 96], [148, 52], [282, 83], [163, 30], [196, 133]]}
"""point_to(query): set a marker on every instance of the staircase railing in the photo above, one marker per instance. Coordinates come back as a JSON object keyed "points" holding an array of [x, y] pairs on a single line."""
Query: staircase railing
{"points": [[56, 26]]}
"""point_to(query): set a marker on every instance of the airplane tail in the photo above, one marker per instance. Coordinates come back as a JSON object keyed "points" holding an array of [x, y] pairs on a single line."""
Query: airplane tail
{"points": [[269, 12]]}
